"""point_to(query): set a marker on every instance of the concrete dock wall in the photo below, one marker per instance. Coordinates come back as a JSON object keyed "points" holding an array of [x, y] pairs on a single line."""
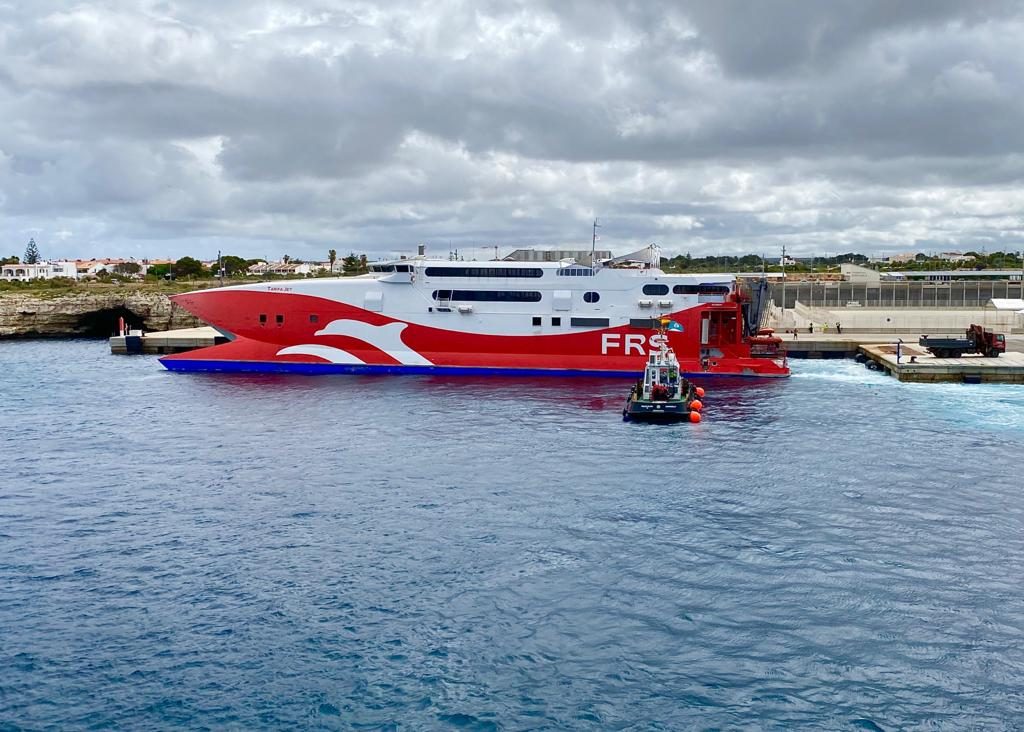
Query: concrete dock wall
{"points": [[898, 320]]}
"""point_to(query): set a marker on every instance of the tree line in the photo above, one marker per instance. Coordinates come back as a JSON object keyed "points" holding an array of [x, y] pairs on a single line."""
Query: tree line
{"points": [[191, 268], [755, 263]]}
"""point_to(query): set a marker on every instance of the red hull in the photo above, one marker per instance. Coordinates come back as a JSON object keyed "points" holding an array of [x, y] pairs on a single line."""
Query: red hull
{"points": [[295, 331]]}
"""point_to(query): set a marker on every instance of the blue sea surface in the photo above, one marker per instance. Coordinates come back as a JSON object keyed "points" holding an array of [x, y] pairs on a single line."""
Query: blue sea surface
{"points": [[832, 551]]}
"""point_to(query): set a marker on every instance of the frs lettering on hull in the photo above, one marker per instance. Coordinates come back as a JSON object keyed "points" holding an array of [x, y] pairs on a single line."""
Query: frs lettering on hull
{"points": [[630, 344]]}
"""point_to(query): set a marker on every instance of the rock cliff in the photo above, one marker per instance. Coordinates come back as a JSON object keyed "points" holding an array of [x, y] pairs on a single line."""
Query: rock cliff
{"points": [[94, 314]]}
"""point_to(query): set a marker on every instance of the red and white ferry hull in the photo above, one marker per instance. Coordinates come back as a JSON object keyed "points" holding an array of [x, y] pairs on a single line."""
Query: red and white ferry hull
{"points": [[308, 327]]}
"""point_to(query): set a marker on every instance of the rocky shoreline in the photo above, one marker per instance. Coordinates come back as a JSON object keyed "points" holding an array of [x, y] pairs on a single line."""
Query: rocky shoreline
{"points": [[87, 314]]}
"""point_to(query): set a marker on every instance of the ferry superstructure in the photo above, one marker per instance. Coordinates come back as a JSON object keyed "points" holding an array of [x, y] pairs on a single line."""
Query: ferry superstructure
{"points": [[423, 315]]}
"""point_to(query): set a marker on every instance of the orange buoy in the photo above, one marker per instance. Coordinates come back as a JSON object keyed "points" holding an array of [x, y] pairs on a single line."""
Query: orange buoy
{"points": [[696, 405], [695, 417], [699, 391]]}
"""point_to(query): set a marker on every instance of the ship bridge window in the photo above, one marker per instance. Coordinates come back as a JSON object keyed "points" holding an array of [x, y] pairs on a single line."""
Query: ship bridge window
{"points": [[655, 289], [591, 297], [488, 295], [382, 268], [701, 289], [403, 268], [575, 272], [484, 272]]}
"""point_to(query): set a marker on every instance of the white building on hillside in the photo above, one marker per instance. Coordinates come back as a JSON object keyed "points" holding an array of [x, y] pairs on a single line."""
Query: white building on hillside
{"points": [[280, 268], [38, 271], [956, 257], [902, 258]]}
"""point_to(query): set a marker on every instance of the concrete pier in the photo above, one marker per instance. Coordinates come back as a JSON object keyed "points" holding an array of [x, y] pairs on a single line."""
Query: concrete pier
{"points": [[168, 341], [847, 345], [918, 365]]}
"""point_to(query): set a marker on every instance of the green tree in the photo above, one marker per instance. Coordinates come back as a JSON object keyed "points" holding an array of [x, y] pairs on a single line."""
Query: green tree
{"points": [[353, 264], [127, 268], [31, 252], [332, 257], [189, 267], [160, 271], [13, 259], [234, 266]]}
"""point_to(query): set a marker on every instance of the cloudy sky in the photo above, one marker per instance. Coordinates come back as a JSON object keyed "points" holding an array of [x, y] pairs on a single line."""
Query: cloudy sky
{"points": [[154, 128]]}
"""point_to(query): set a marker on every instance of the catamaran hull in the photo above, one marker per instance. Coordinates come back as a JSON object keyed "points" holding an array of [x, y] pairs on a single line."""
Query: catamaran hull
{"points": [[315, 327]]}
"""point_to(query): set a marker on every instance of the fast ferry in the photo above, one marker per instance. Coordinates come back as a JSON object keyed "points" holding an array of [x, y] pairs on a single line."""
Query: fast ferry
{"points": [[435, 316]]}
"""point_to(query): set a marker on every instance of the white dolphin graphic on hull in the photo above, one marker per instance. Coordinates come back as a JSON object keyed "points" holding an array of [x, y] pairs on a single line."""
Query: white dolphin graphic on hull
{"points": [[387, 338], [328, 353]]}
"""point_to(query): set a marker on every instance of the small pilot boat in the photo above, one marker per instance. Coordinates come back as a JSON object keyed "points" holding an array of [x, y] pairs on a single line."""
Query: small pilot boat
{"points": [[663, 395]]}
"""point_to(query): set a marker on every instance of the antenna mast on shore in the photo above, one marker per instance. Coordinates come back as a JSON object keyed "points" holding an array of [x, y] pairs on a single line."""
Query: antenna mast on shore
{"points": [[783, 263]]}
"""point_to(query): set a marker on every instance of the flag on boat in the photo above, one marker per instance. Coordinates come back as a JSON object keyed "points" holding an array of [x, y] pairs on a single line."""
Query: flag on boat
{"points": [[671, 325]]}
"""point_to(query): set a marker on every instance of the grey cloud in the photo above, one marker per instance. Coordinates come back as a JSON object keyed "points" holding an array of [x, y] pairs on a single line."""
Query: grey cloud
{"points": [[725, 126], [767, 38]]}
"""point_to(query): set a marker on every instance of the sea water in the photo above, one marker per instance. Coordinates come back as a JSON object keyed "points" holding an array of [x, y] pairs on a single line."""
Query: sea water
{"points": [[836, 550]]}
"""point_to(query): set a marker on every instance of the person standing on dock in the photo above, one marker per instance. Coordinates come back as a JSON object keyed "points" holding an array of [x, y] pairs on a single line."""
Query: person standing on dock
{"points": [[810, 327], [839, 328], [899, 348]]}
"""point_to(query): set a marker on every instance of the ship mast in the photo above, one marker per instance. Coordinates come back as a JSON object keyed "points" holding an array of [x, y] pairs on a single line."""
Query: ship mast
{"points": [[593, 246]]}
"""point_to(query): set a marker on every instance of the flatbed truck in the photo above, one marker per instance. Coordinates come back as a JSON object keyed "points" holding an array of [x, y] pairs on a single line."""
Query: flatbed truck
{"points": [[976, 340]]}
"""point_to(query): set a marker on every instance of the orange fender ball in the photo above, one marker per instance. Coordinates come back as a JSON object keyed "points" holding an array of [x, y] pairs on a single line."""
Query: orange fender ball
{"points": [[699, 391], [696, 404], [695, 417]]}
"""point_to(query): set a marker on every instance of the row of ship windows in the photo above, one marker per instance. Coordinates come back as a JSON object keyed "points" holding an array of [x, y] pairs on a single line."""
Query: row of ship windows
{"points": [[537, 320], [645, 323], [687, 290], [588, 297], [575, 322], [536, 272], [502, 295], [484, 272], [535, 296], [528, 272], [390, 268], [279, 319]]}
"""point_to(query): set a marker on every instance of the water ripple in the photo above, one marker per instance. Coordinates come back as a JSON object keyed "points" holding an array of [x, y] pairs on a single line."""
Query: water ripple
{"points": [[835, 551]]}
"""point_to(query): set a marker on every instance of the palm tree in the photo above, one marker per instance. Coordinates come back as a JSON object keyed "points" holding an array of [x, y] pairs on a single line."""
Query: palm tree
{"points": [[332, 257]]}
